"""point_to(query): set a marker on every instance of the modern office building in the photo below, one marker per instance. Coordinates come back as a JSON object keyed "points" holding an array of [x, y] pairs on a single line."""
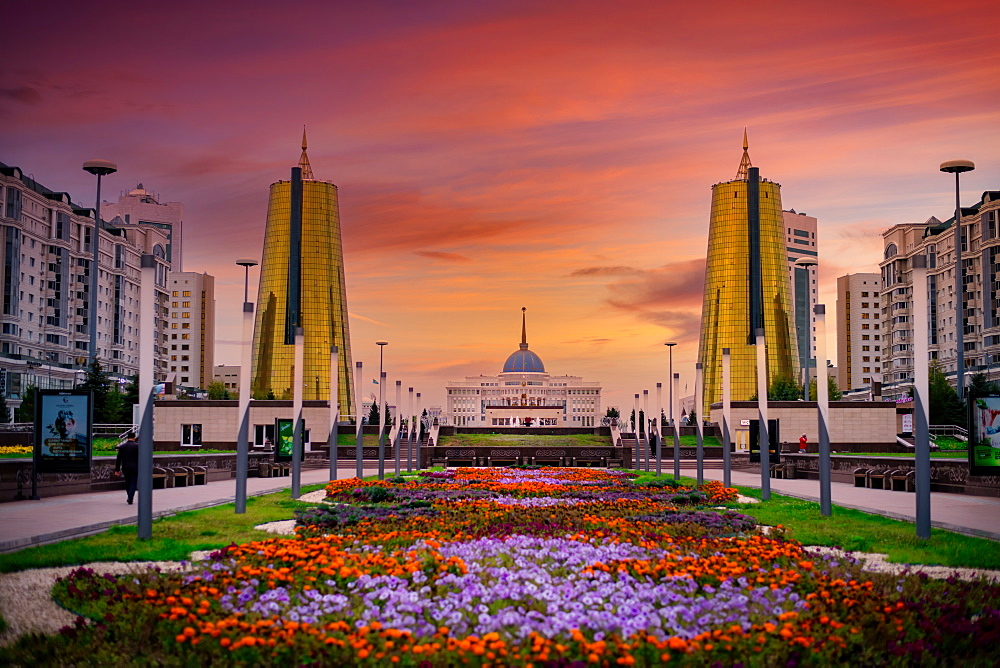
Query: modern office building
{"points": [[320, 293], [191, 325], [140, 207], [44, 280], [521, 395], [980, 255], [746, 286], [859, 335], [803, 253]]}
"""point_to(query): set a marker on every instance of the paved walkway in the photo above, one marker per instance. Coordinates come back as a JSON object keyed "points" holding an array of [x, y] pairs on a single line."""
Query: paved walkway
{"points": [[27, 523], [972, 515]]}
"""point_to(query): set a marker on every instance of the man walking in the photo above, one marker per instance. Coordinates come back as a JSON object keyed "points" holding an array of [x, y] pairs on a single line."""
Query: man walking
{"points": [[128, 464], [803, 442]]}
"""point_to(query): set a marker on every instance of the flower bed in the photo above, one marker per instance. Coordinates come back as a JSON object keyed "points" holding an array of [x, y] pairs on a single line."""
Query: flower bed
{"points": [[525, 567]]}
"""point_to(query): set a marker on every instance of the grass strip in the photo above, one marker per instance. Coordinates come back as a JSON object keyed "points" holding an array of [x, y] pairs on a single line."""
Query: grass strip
{"points": [[174, 536]]}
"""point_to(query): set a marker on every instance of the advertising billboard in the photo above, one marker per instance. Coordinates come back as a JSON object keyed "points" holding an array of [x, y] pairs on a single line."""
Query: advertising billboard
{"points": [[284, 429], [63, 431], [984, 434]]}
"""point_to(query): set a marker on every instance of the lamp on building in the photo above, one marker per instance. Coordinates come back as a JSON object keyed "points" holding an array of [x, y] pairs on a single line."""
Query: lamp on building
{"points": [[956, 167], [806, 355], [99, 168]]}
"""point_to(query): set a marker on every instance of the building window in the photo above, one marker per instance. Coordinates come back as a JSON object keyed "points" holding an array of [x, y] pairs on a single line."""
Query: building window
{"points": [[190, 434], [187, 293]]}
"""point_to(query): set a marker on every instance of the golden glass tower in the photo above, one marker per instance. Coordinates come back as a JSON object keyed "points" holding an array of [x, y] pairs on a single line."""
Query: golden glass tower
{"points": [[320, 292], [739, 249]]}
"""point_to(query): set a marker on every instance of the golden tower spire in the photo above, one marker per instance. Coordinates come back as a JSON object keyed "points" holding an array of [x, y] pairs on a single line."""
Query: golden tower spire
{"points": [[307, 172], [524, 330], [741, 173]]}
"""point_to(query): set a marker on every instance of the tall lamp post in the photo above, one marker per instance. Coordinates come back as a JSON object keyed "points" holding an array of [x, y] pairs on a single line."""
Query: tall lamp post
{"points": [[806, 355], [381, 411], [956, 167], [677, 440], [99, 168], [243, 438]]}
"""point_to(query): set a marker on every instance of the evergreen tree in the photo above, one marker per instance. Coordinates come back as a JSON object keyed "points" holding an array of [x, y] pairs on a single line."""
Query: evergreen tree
{"points": [[981, 385], [97, 380], [945, 407], [612, 412], [4, 409], [373, 414], [26, 411], [114, 406], [832, 389]]}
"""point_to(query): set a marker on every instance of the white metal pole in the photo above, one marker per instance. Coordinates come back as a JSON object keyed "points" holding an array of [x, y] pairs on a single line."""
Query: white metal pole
{"points": [[147, 348], [334, 410], [358, 393], [674, 398], [921, 403], [763, 440], [420, 425], [823, 405], [381, 426], [659, 429], [298, 376], [699, 403], [727, 476], [645, 424], [635, 430], [399, 423], [410, 427], [243, 439]]}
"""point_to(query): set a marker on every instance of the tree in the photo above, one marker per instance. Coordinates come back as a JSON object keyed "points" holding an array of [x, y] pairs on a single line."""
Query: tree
{"points": [[945, 407], [832, 389], [4, 409], [642, 421], [373, 414], [114, 407], [97, 381], [784, 389], [26, 411], [612, 412], [981, 385], [217, 390]]}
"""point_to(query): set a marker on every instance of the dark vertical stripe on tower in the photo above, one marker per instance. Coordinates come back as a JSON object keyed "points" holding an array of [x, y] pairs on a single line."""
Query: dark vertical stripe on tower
{"points": [[754, 279], [294, 308]]}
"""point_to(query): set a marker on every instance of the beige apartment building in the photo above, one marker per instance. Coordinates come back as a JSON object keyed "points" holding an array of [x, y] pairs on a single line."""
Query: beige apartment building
{"points": [[859, 331], [980, 255], [191, 325]]}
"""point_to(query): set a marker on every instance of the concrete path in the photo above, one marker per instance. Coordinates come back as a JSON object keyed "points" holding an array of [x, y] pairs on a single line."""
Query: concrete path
{"points": [[27, 523], [972, 515]]}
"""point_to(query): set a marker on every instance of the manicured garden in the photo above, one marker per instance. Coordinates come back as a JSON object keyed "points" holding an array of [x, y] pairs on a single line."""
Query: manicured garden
{"points": [[546, 567]]}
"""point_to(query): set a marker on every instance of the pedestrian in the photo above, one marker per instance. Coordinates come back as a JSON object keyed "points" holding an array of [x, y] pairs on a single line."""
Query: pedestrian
{"points": [[127, 464], [803, 442]]}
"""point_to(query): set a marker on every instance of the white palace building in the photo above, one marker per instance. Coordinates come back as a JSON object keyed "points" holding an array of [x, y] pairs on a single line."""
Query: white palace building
{"points": [[523, 395]]}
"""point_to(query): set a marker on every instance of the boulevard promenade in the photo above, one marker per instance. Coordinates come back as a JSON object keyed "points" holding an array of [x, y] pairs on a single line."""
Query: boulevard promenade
{"points": [[27, 523]]}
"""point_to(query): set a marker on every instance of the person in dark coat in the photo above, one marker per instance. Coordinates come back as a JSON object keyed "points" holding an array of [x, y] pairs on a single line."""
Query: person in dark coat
{"points": [[128, 464]]}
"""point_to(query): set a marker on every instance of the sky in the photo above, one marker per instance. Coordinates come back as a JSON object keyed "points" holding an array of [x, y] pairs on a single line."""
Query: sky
{"points": [[489, 156]]}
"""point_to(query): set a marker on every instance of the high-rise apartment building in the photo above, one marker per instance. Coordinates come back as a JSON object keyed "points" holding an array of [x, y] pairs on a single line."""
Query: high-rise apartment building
{"points": [[859, 335], [44, 281], [746, 286], [141, 207], [320, 294], [980, 255], [803, 252], [191, 328]]}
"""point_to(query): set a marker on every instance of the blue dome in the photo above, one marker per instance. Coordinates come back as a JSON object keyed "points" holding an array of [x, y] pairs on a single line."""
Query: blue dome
{"points": [[523, 361]]}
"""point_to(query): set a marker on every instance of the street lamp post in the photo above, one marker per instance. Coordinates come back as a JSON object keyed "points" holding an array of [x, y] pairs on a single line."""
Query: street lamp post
{"points": [[381, 411], [956, 167], [806, 355], [99, 168], [677, 439]]}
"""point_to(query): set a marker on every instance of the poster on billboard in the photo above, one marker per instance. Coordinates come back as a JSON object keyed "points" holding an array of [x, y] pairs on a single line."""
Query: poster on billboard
{"points": [[63, 431], [984, 435], [284, 429]]}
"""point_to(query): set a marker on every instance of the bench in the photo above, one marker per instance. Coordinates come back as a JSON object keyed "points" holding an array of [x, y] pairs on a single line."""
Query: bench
{"points": [[502, 461], [183, 476], [459, 461], [199, 475], [162, 478], [547, 461], [588, 461], [861, 477], [904, 481], [877, 479]]}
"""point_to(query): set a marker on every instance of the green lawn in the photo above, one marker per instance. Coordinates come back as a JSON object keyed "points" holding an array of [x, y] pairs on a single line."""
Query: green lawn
{"points": [[525, 440], [910, 455]]}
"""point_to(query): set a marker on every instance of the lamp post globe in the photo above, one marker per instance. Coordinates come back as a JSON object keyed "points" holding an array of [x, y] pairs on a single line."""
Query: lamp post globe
{"points": [[246, 263], [957, 167]]}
